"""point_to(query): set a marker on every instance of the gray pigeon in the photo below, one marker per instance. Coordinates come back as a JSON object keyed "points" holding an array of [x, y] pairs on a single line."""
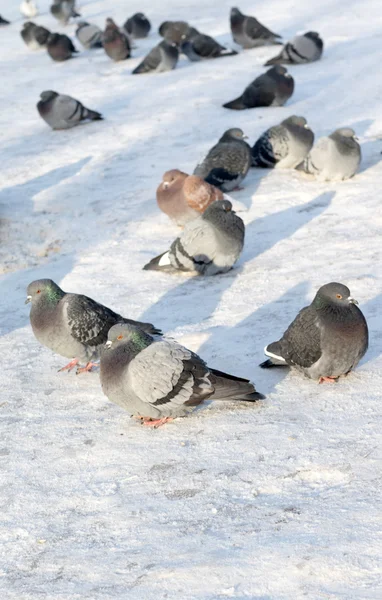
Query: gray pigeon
{"points": [[89, 35], [162, 57], [138, 26], [210, 244], [175, 31], [249, 33], [272, 88], [63, 10], [283, 146], [116, 44], [335, 157], [71, 325], [326, 340], [158, 380], [198, 46], [34, 36], [60, 47], [228, 162], [64, 112], [302, 49]]}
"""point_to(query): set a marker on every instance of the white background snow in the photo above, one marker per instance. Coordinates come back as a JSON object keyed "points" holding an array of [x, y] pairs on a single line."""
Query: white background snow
{"points": [[275, 501]]}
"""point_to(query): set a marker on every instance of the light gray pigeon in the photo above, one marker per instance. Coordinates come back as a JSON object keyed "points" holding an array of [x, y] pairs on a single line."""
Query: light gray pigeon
{"points": [[71, 325], [63, 10], [272, 88], [198, 46], [63, 112], [283, 146], [162, 57], [228, 162], [158, 380], [34, 36], [89, 35], [210, 244], [335, 157], [326, 340], [302, 49], [248, 32], [138, 26]]}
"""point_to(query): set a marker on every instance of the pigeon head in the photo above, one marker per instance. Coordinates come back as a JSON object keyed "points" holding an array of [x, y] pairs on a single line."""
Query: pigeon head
{"points": [[162, 28], [278, 69], [235, 133], [48, 95], [295, 120], [235, 12], [333, 295], [125, 333], [28, 25], [140, 16], [53, 38], [111, 24], [312, 34], [172, 176], [44, 290], [220, 206], [346, 132]]}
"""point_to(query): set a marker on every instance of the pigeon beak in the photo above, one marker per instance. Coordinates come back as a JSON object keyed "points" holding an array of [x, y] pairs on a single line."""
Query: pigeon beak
{"points": [[352, 300], [245, 137], [108, 344], [29, 298], [165, 185]]}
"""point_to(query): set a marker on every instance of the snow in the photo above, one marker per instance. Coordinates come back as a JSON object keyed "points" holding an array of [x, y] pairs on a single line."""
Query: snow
{"points": [[278, 501]]}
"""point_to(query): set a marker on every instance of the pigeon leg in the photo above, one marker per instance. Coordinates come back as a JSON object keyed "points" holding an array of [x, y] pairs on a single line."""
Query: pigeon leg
{"points": [[155, 423], [69, 366], [327, 379], [88, 367]]}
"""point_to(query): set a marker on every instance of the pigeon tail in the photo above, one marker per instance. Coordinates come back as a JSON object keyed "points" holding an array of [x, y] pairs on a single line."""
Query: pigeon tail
{"points": [[277, 60], [236, 104], [160, 263], [141, 68], [229, 387], [93, 115], [75, 14], [276, 359]]}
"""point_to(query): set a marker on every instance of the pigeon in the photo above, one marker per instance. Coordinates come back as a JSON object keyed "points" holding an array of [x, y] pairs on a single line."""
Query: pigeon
{"points": [[34, 36], [62, 10], [302, 49], [184, 197], [210, 244], [162, 57], [228, 162], [138, 26], [248, 32], [198, 46], [334, 158], [64, 112], [72, 325], [116, 44], [60, 47], [175, 31], [326, 340], [89, 35], [157, 380], [28, 9], [283, 146], [272, 88], [4, 21]]}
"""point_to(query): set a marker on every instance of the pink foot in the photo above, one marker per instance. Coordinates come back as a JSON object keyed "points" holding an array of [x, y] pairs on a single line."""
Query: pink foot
{"points": [[69, 366], [88, 367], [327, 380], [155, 423]]}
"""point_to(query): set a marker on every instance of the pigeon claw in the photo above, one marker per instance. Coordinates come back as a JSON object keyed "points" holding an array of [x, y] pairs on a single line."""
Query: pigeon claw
{"points": [[69, 366], [87, 368], [327, 379], [155, 423]]}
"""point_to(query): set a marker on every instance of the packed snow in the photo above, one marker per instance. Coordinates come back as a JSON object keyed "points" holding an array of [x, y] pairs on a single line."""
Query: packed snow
{"points": [[274, 501]]}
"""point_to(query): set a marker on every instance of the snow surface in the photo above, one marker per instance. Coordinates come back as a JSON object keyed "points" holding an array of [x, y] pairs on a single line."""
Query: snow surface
{"points": [[269, 502]]}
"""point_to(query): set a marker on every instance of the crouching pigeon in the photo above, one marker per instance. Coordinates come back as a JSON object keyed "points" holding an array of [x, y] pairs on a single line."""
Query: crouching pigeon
{"points": [[283, 146], [302, 49], [161, 58], [89, 35], [272, 88], [34, 36], [63, 112], [248, 32]]}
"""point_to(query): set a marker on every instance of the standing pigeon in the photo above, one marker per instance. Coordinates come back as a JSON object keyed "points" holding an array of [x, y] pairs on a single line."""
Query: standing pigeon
{"points": [[335, 157], [63, 10], [28, 9], [184, 197], [138, 26], [302, 49], [174, 31], [272, 88], [60, 47], [249, 33], [162, 57], [198, 46], [210, 244], [71, 325], [34, 36], [3, 21], [228, 162], [115, 43], [326, 340], [89, 35], [64, 112], [283, 146], [158, 380]]}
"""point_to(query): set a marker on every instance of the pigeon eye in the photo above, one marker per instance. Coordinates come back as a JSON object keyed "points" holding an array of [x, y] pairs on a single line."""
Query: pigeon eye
{"points": [[120, 337], [339, 296], [38, 292]]}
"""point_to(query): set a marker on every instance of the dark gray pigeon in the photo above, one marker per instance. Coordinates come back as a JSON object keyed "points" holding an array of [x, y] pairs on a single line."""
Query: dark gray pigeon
{"points": [[116, 44], [198, 46], [158, 379], [64, 112], [60, 47], [326, 340], [228, 162], [210, 244], [302, 49], [283, 146], [89, 35], [272, 88], [63, 10], [175, 31], [4, 22], [161, 58], [34, 36], [334, 158], [71, 325], [248, 32], [138, 26]]}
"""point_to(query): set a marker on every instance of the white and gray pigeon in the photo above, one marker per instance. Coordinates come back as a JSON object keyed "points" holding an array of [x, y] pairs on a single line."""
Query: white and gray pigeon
{"points": [[283, 146], [34, 36], [272, 88], [228, 162], [248, 32], [63, 112], [302, 49], [161, 58], [138, 26], [198, 46], [63, 10], [89, 35], [208, 245], [72, 325], [158, 379], [29, 9], [326, 340], [334, 158]]}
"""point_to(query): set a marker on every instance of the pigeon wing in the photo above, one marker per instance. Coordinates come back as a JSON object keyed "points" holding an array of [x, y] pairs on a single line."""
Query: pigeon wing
{"points": [[301, 343]]}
